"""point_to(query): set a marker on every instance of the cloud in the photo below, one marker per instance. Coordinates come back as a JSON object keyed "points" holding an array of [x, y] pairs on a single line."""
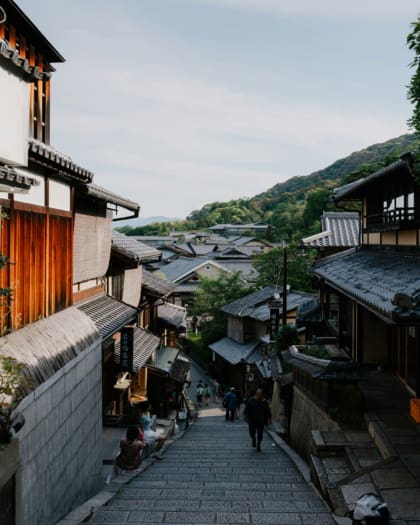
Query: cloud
{"points": [[377, 9]]}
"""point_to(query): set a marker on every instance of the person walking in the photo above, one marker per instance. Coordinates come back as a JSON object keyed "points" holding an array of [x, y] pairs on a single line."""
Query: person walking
{"points": [[207, 394], [239, 398], [230, 402], [200, 392], [258, 414]]}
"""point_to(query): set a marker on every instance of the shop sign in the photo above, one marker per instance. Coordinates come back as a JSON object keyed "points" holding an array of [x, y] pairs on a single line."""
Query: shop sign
{"points": [[126, 348]]}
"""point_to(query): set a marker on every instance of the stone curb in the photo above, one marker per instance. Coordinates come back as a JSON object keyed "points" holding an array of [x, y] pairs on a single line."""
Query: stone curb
{"points": [[87, 509]]}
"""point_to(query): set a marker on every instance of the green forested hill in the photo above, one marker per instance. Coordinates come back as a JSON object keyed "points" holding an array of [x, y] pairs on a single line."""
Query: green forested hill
{"points": [[293, 207]]}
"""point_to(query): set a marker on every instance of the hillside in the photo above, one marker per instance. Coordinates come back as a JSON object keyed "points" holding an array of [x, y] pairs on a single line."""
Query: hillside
{"points": [[293, 207]]}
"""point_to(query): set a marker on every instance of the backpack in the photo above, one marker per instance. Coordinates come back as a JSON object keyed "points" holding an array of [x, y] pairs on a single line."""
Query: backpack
{"points": [[370, 508]]}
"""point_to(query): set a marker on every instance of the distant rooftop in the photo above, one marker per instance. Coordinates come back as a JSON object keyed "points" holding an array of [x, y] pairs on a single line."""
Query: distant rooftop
{"points": [[339, 230]]}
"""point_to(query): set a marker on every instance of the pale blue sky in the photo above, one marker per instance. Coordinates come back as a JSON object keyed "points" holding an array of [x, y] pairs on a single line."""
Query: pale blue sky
{"points": [[178, 103]]}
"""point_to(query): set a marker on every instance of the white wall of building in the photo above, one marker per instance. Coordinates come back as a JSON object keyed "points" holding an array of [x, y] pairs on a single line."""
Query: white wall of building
{"points": [[14, 111]]}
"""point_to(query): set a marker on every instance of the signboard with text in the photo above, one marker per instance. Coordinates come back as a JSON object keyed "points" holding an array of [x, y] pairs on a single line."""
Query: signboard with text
{"points": [[126, 348]]}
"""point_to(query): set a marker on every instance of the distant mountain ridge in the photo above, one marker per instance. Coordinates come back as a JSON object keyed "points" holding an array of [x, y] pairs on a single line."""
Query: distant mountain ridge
{"points": [[144, 221], [286, 203], [336, 171]]}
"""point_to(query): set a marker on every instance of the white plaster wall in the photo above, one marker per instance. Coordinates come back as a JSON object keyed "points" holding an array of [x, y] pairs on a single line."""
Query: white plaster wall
{"points": [[14, 111], [59, 196], [60, 445]]}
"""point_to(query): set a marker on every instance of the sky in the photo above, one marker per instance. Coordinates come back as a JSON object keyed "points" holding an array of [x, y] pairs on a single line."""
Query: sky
{"points": [[179, 103]]}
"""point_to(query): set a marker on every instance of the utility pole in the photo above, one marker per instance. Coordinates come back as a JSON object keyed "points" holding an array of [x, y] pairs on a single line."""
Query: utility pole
{"points": [[284, 314]]}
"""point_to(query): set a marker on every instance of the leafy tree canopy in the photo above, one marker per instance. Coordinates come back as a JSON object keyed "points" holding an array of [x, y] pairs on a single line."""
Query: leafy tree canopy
{"points": [[413, 94], [271, 270], [212, 294]]}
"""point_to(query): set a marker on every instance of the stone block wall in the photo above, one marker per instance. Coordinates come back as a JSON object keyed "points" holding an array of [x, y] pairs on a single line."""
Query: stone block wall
{"points": [[307, 416], [60, 445]]}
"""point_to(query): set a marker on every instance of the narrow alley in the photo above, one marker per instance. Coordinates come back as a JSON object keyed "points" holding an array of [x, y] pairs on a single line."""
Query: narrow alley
{"points": [[213, 475]]}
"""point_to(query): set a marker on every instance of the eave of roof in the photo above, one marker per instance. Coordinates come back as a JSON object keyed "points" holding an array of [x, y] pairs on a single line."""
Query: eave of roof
{"points": [[144, 344], [172, 314], [385, 282], [157, 286], [53, 159], [15, 180], [105, 195], [232, 351], [108, 314], [46, 48], [132, 249], [17, 64], [351, 190]]}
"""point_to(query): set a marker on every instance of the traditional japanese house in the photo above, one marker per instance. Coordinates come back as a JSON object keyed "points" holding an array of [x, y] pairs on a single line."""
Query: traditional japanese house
{"points": [[370, 294], [243, 357], [116, 315], [56, 233], [185, 273]]}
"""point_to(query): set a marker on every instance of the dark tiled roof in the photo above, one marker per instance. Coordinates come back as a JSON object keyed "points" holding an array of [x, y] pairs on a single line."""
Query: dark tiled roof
{"points": [[339, 229], [353, 190], [375, 279], [108, 314], [256, 304], [144, 344], [171, 362], [180, 368], [58, 161], [232, 351], [16, 178], [336, 370], [182, 267], [108, 196], [157, 286], [172, 314], [243, 266], [132, 249]]}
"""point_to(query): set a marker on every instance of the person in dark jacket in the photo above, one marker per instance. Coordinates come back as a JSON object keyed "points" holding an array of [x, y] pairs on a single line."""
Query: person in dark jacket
{"points": [[230, 402], [258, 414]]}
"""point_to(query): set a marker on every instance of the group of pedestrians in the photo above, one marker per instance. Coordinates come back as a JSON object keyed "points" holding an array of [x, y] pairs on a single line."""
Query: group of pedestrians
{"points": [[256, 412]]}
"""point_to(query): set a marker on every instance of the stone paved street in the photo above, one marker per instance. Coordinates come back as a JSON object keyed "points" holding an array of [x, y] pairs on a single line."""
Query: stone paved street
{"points": [[213, 475]]}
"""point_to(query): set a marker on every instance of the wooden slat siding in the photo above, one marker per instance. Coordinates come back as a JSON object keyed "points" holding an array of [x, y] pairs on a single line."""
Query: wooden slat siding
{"points": [[12, 36], [60, 263], [32, 95], [47, 86], [4, 272], [36, 255], [40, 84]]}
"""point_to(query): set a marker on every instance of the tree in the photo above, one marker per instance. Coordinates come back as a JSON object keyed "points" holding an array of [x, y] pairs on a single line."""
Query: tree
{"points": [[317, 201], [212, 294], [270, 268], [413, 94]]}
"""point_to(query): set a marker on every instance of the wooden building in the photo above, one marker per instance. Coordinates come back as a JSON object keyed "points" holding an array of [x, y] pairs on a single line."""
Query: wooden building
{"points": [[371, 294], [55, 245]]}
